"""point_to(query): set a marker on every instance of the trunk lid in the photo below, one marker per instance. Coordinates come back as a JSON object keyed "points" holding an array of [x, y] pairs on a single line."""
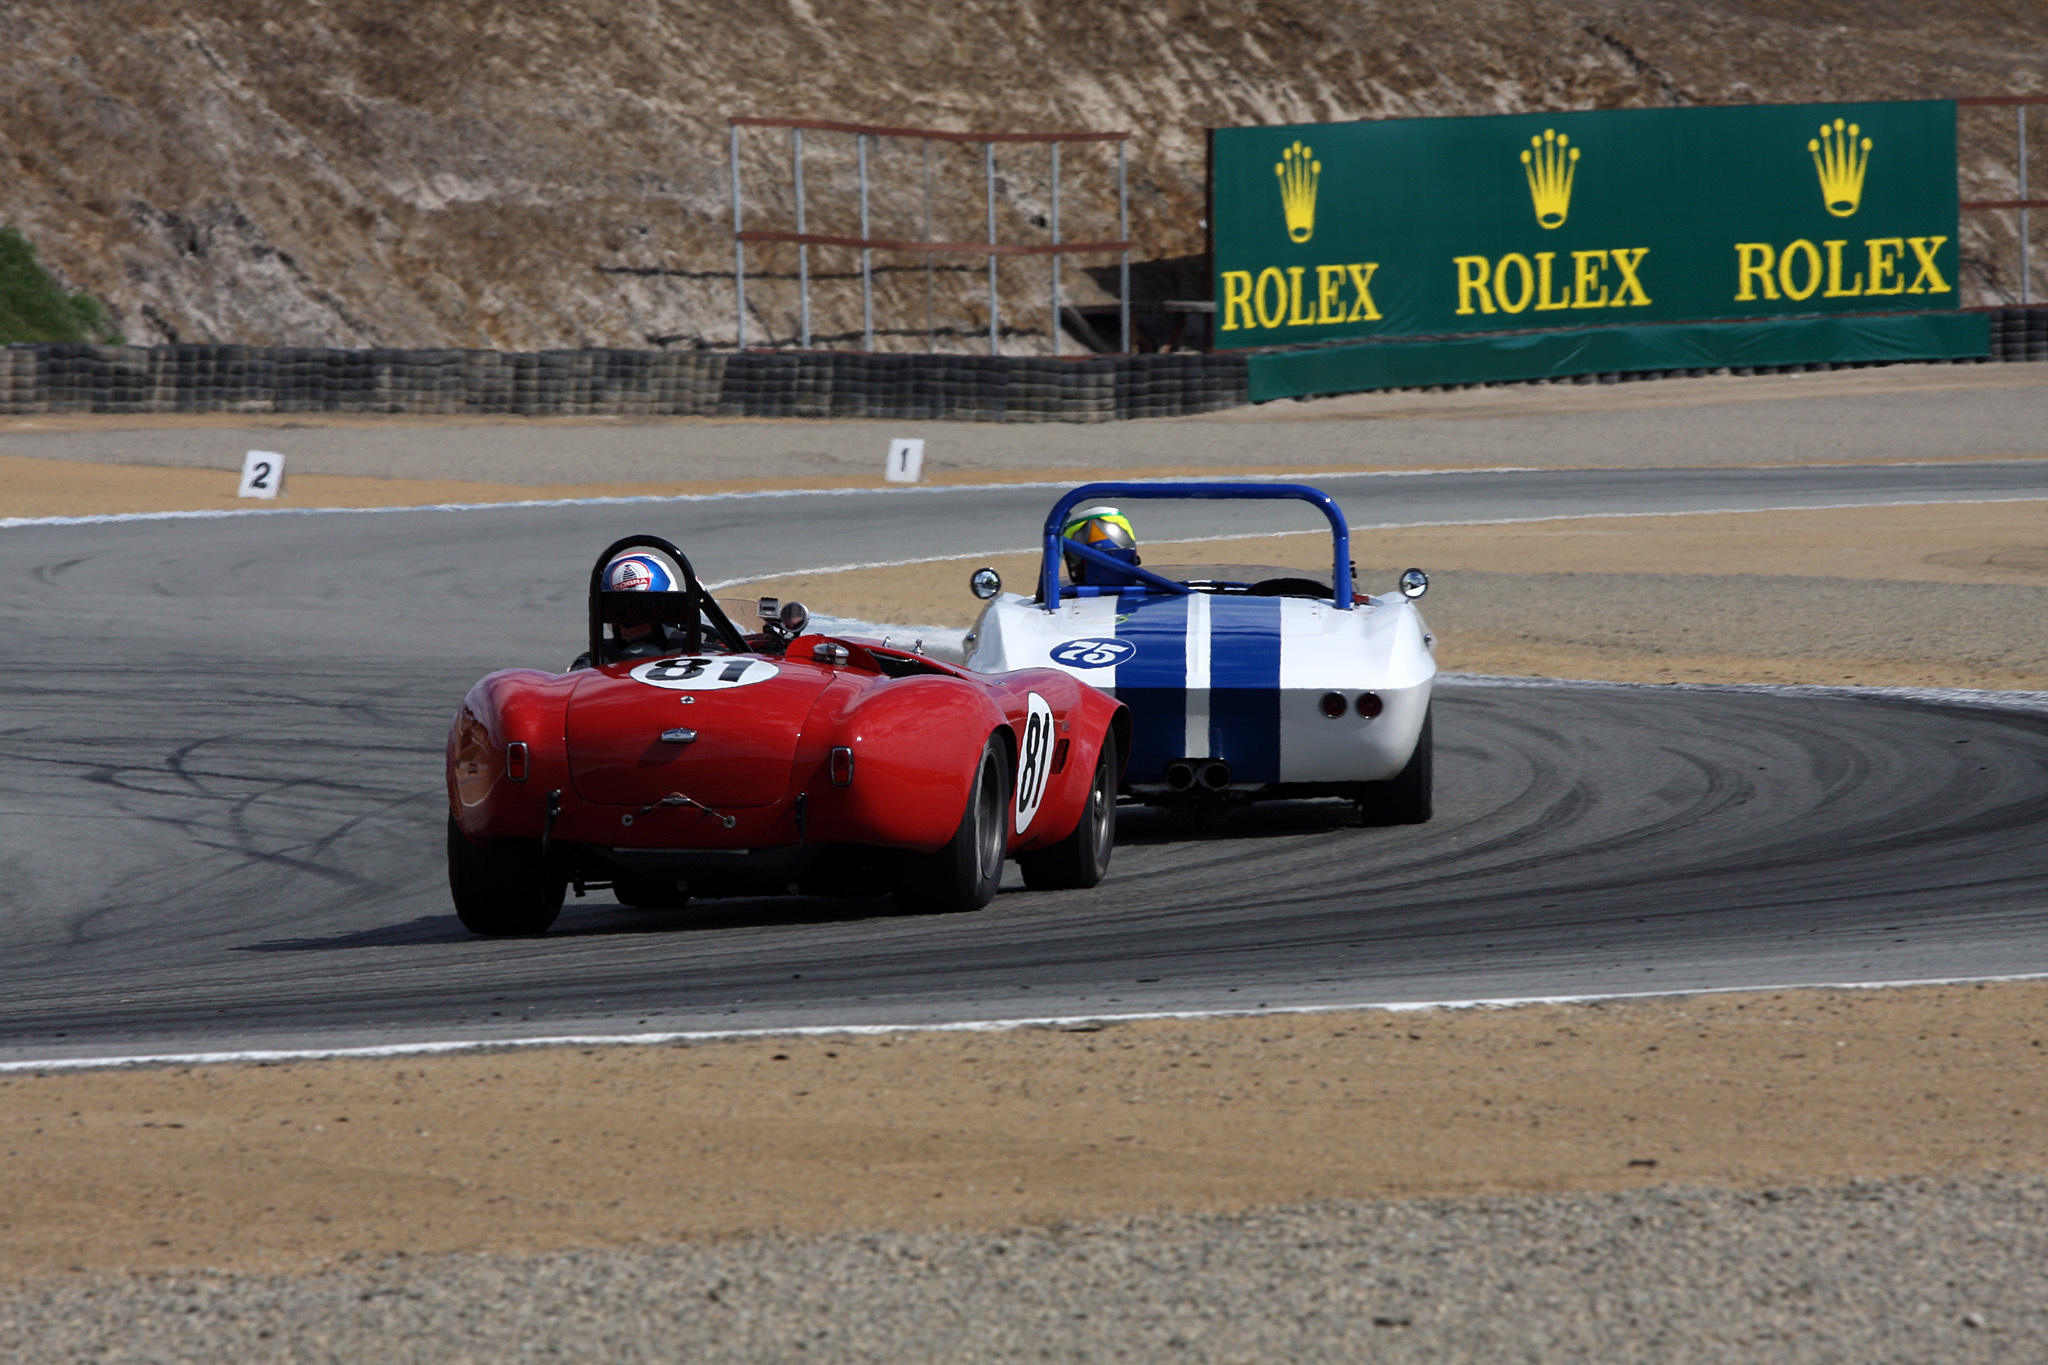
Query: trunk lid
{"points": [[744, 711]]}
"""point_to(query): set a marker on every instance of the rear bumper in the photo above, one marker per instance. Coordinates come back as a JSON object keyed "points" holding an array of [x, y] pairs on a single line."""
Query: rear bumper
{"points": [[1274, 736]]}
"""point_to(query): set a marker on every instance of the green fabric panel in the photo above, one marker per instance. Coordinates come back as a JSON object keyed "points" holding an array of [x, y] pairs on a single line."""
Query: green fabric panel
{"points": [[1679, 346]]}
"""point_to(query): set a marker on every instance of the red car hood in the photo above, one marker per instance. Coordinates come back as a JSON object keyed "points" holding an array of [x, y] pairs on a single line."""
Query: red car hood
{"points": [[745, 712]]}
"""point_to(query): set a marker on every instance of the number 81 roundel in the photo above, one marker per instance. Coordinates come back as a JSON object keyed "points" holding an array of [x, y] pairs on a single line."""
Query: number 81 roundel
{"points": [[688, 674], [1034, 759]]}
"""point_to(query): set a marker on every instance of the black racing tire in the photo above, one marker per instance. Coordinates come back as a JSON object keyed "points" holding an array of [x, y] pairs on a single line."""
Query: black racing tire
{"points": [[646, 893], [502, 889], [965, 873], [1409, 797], [1081, 860]]}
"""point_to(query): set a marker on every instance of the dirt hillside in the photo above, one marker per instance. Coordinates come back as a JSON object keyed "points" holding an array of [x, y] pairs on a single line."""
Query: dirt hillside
{"points": [[522, 174]]}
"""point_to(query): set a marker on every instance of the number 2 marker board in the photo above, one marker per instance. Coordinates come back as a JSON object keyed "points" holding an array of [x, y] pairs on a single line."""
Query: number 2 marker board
{"points": [[262, 474]]}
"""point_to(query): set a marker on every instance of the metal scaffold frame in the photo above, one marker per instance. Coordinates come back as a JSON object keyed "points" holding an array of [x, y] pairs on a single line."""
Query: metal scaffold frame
{"points": [[2018, 104], [868, 245]]}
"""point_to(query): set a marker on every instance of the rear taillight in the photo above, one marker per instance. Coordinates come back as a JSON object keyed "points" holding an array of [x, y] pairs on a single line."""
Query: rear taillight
{"points": [[515, 761], [842, 767], [1370, 705]]}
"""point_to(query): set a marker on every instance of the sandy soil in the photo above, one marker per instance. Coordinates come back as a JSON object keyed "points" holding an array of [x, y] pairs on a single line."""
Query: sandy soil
{"points": [[289, 1166], [32, 487], [1874, 549], [1939, 543], [1913, 413]]}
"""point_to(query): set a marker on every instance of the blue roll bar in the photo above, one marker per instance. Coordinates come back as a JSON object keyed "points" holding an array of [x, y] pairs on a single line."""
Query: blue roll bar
{"points": [[1055, 543]]}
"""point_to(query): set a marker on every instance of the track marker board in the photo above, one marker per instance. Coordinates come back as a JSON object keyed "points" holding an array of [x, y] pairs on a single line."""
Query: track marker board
{"points": [[906, 460], [262, 474]]}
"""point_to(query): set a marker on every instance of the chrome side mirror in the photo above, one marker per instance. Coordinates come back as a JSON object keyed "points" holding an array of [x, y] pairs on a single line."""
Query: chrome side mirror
{"points": [[985, 583], [793, 617], [1414, 583]]}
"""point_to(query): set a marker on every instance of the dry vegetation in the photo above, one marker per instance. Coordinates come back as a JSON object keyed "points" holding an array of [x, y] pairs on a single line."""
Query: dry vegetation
{"points": [[520, 174]]}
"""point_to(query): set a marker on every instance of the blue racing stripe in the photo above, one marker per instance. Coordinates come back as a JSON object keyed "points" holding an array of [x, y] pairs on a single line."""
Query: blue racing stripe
{"points": [[1244, 686], [1153, 682]]}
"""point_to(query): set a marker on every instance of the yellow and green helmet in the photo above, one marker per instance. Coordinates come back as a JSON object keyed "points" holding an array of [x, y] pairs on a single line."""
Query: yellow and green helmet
{"points": [[1099, 528]]}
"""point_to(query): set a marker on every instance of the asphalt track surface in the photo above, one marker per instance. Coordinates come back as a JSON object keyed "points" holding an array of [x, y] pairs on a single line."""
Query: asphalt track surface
{"points": [[221, 786]]}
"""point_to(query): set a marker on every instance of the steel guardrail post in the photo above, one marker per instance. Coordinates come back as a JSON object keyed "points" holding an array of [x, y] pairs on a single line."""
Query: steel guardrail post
{"points": [[803, 250], [988, 160], [867, 256], [931, 295], [739, 246], [1123, 234], [1055, 242]]}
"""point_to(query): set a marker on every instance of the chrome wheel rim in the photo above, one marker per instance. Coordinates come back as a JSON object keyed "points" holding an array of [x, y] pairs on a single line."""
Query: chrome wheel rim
{"points": [[1099, 809], [988, 815]]}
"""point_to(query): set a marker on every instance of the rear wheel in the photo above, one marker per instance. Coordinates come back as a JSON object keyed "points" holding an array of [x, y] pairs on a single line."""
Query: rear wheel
{"points": [[503, 888], [1409, 797], [1082, 858], [965, 873]]}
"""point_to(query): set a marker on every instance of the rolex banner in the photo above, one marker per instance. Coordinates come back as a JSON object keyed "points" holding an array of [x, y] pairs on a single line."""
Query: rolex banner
{"points": [[1439, 226]]}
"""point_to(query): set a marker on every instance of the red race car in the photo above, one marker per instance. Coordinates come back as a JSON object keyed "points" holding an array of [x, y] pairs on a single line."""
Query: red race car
{"points": [[681, 757]]}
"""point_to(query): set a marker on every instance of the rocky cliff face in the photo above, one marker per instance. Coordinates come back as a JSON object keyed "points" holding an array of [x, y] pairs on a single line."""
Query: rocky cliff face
{"points": [[529, 173]]}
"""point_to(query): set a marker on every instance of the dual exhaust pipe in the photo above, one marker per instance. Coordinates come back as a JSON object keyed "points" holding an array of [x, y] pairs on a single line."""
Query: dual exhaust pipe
{"points": [[1192, 774]]}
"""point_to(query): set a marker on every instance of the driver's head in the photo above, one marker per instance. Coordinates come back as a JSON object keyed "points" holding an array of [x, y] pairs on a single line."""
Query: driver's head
{"points": [[641, 571], [1100, 528]]}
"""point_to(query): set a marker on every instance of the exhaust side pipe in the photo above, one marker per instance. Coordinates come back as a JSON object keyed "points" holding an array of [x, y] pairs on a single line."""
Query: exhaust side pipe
{"points": [[1214, 775], [1180, 775]]}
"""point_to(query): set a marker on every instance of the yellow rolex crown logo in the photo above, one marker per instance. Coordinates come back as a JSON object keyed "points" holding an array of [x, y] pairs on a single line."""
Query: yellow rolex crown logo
{"points": [[1840, 156], [1298, 174], [1550, 163]]}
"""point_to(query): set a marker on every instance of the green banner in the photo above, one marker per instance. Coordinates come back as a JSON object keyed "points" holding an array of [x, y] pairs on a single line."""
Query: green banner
{"points": [[1601, 350], [1404, 227]]}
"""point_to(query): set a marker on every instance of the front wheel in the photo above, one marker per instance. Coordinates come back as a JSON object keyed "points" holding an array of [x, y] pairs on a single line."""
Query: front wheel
{"points": [[503, 888], [1082, 858], [1409, 797], [965, 873]]}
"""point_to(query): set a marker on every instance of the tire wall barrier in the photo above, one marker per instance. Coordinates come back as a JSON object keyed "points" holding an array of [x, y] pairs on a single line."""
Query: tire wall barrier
{"points": [[60, 378]]}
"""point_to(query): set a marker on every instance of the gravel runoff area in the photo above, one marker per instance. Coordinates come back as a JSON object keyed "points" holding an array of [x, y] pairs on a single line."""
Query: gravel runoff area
{"points": [[1919, 596], [1877, 1271], [1824, 1176]]}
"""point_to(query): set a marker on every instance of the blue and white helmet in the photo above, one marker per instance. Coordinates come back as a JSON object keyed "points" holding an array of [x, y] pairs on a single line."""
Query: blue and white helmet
{"points": [[642, 571]]}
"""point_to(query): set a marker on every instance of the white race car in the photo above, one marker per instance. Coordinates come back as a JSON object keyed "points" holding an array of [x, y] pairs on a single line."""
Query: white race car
{"points": [[1243, 682]]}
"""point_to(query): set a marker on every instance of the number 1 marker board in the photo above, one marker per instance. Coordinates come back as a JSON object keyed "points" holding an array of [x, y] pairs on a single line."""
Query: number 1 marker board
{"points": [[262, 474], [906, 460]]}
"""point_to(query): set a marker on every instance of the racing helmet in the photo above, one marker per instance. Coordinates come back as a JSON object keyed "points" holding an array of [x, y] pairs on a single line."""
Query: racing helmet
{"points": [[1101, 528], [641, 570]]}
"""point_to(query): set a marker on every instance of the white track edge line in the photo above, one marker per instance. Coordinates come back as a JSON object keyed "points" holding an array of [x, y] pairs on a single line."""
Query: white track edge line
{"points": [[228, 513], [1377, 526], [220, 513], [1068, 1021]]}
